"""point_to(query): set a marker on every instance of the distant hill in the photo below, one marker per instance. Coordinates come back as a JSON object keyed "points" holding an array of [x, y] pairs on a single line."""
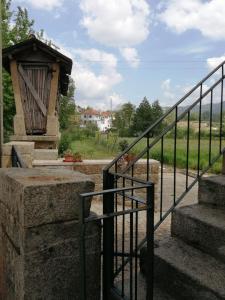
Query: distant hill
{"points": [[205, 107]]}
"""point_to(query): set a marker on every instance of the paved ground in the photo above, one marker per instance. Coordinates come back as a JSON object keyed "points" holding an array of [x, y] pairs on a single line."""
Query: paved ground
{"points": [[123, 235]]}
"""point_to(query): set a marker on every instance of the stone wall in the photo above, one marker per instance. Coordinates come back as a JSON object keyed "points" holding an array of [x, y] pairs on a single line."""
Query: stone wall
{"points": [[94, 169], [40, 234]]}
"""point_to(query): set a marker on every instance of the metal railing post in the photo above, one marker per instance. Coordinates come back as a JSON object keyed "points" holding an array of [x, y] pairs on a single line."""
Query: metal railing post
{"points": [[1, 95], [150, 242], [108, 235], [82, 249], [223, 165]]}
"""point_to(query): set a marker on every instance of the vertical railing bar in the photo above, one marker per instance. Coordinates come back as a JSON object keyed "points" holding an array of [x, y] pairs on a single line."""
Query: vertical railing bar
{"points": [[175, 157], [131, 256], [131, 238], [116, 227], [136, 241], [221, 111], [147, 179], [199, 130], [82, 249], [123, 235], [150, 243], [187, 158], [136, 251], [161, 182], [108, 236], [210, 127]]}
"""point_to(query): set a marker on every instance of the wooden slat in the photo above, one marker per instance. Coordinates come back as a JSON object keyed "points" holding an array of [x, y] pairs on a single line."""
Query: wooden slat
{"points": [[53, 90], [33, 91], [16, 88]]}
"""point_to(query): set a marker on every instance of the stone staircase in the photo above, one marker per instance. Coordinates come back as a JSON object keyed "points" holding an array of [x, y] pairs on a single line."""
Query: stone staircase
{"points": [[191, 263]]}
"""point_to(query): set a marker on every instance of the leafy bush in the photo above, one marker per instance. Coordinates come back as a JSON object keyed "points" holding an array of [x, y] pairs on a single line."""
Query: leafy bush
{"points": [[64, 143], [123, 144]]}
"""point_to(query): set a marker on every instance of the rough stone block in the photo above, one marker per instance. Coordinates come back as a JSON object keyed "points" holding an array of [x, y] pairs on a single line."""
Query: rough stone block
{"points": [[6, 161], [40, 235], [52, 125], [212, 190], [45, 154], [23, 147], [199, 224]]}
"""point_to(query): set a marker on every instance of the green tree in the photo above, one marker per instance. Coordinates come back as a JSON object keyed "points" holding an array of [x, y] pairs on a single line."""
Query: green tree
{"points": [[143, 117], [157, 113], [16, 27], [123, 119], [67, 107]]}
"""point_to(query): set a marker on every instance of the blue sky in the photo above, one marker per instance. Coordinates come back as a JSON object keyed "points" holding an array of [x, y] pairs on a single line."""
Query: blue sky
{"points": [[127, 49]]}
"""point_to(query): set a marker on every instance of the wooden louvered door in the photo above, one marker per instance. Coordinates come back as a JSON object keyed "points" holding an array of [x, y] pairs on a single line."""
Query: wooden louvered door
{"points": [[35, 82]]}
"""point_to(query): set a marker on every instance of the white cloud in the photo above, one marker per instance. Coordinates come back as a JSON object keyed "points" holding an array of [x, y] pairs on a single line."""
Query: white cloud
{"points": [[213, 62], [205, 16], [131, 56], [46, 4], [116, 23], [94, 87], [173, 93], [167, 92], [121, 24]]}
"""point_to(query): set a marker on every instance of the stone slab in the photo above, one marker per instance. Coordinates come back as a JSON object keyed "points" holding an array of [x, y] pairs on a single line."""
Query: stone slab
{"points": [[187, 273], [46, 195], [199, 224], [23, 147], [45, 154], [212, 190], [31, 138]]}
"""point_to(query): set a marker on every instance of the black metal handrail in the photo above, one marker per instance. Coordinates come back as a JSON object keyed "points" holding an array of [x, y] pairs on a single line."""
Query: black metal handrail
{"points": [[126, 174], [128, 255], [171, 127], [168, 112], [120, 182], [17, 161]]}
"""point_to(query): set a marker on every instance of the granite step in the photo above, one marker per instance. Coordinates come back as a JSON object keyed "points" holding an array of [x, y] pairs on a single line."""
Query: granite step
{"points": [[159, 294], [202, 226], [212, 190], [186, 272]]}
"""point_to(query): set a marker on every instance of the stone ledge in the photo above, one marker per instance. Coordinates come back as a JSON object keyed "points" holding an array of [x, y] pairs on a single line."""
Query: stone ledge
{"points": [[47, 138], [23, 147], [99, 162]]}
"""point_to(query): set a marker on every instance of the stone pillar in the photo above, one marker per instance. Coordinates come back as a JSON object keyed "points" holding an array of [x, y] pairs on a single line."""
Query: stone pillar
{"points": [[26, 150], [40, 235]]}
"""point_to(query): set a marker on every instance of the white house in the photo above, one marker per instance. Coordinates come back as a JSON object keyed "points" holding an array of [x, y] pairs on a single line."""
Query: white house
{"points": [[103, 120]]}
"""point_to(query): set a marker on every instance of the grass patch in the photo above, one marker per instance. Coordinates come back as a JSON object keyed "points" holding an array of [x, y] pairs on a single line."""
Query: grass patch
{"points": [[104, 148]]}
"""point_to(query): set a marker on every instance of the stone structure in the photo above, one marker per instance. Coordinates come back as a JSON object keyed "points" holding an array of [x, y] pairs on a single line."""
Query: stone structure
{"points": [[190, 264], [94, 169], [39, 74], [26, 150], [40, 235]]}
